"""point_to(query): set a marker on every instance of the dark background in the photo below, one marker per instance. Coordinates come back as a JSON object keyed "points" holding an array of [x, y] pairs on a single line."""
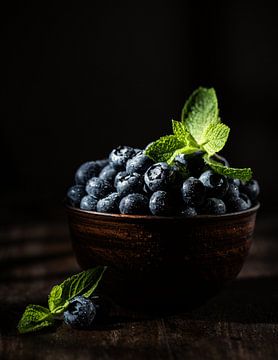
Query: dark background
{"points": [[78, 80]]}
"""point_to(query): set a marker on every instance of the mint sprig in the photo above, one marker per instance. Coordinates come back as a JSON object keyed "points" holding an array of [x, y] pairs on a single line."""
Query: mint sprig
{"points": [[36, 317], [200, 128]]}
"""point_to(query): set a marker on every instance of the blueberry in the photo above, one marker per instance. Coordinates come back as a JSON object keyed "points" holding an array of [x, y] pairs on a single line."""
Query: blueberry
{"points": [[161, 203], [221, 160], [89, 203], [138, 164], [237, 182], [196, 164], [137, 150], [108, 173], [216, 185], [181, 159], [130, 184], [193, 192], [160, 176], [98, 188], [181, 164], [120, 175], [232, 192], [109, 204], [80, 313], [86, 171], [251, 189], [240, 203], [75, 194], [136, 204], [119, 156], [102, 163], [189, 211], [214, 206]]}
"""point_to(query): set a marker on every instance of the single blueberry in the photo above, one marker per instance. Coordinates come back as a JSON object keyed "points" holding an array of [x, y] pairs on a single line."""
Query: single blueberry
{"points": [[98, 188], [119, 156], [232, 192], [237, 182], [251, 189], [240, 203], [89, 203], [213, 206], [120, 175], [216, 185], [80, 313], [136, 204], [160, 176], [109, 204], [161, 203], [189, 211], [138, 163], [108, 173], [193, 192], [75, 194], [102, 163], [130, 184], [86, 171], [196, 164]]}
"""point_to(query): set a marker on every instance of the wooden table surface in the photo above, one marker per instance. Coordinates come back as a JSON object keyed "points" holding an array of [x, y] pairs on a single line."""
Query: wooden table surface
{"points": [[239, 323]]}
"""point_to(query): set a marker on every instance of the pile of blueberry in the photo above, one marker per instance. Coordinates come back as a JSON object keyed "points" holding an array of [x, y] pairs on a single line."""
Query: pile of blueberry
{"points": [[130, 183]]}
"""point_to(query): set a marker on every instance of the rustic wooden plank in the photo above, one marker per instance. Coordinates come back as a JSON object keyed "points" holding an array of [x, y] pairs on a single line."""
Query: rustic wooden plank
{"points": [[239, 323]]}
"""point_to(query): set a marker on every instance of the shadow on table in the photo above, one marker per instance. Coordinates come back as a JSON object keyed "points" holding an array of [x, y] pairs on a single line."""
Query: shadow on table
{"points": [[250, 300]]}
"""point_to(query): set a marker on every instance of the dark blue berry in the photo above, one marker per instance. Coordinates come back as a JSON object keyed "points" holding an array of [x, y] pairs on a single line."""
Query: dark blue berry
{"points": [[237, 182], [189, 211], [75, 194], [240, 203], [102, 163], [213, 206], [251, 189], [80, 313], [136, 204], [138, 164], [119, 156], [86, 171], [160, 176], [109, 204], [88, 203], [193, 192], [216, 185], [98, 188], [108, 173], [120, 175], [232, 192], [161, 203], [196, 164], [130, 184]]}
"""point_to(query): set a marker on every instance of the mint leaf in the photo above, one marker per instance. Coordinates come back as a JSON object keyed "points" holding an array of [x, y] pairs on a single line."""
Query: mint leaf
{"points": [[35, 317], [244, 174], [83, 283], [178, 129], [199, 112], [163, 148], [216, 136]]}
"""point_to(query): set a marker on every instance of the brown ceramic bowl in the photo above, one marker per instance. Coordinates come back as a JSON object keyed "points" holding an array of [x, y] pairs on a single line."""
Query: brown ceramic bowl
{"points": [[162, 261]]}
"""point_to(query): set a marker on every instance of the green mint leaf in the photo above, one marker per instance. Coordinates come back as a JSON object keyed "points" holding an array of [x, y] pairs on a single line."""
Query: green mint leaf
{"points": [[35, 317], [216, 137], [242, 174], [163, 148], [83, 283], [187, 150], [178, 129], [199, 112]]}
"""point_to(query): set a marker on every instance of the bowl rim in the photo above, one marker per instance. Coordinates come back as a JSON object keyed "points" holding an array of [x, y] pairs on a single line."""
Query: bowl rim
{"points": [[96, 214]]}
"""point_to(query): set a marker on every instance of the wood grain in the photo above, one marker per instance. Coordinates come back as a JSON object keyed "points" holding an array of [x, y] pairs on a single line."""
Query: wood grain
{"points": [[241, 322]]}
